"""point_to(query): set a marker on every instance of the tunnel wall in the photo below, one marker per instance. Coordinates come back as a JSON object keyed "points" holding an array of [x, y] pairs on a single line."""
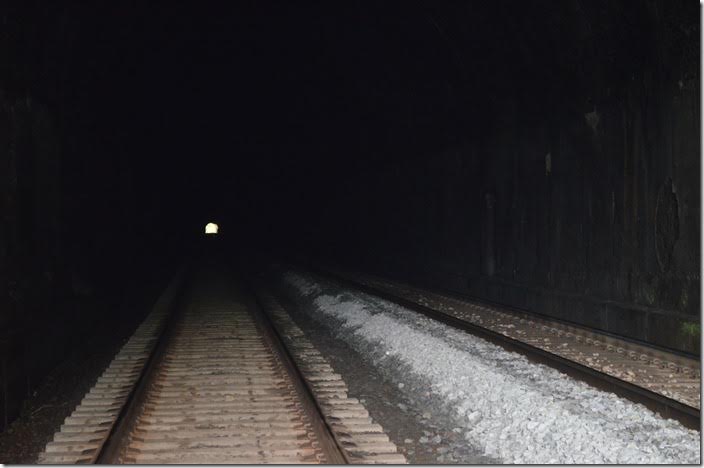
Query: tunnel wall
{"points": [[576, 195], [67, 210], [592, 219], [66, 244], [596, 216], [32, 272]]}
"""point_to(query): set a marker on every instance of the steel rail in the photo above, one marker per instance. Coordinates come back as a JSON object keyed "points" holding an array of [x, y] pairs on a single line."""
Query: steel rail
{"points": [[179, 352], [667, 407]]}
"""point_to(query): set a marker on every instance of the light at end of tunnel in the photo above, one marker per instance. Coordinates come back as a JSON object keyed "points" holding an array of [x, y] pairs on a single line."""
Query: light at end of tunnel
{"points": [[211, 228]]}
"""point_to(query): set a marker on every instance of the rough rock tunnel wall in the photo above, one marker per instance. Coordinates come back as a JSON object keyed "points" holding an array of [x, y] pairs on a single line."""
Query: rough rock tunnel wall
{"points": [[577, 195], [68, 225]]}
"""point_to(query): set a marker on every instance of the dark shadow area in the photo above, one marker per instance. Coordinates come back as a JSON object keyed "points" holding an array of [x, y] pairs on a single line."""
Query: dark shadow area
{"points": [[541, 154]]}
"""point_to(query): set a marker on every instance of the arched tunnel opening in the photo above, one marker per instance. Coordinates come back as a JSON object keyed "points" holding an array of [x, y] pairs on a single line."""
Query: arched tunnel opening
{"points": [[537, 161]]}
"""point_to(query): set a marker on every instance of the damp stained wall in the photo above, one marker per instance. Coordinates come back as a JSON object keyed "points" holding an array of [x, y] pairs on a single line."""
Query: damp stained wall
{"points": [[563, 176]]}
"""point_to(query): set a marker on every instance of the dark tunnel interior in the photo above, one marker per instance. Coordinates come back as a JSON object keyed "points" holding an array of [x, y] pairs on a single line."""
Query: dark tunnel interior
{"points": [[544, 155]]}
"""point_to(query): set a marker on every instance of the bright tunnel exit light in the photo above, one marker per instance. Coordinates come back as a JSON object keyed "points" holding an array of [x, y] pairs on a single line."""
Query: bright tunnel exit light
{"points": [[211, 228]]}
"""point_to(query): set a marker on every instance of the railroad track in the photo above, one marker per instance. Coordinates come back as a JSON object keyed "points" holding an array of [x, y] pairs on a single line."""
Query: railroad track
{"points": [[213, 383], [666, 382]]}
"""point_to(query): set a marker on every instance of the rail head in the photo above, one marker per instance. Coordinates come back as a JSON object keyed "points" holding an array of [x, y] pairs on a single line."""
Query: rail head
{"points": [[112, 450], [687, 415]]}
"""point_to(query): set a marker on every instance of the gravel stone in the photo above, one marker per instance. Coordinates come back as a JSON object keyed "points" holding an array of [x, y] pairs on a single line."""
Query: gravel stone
{"points": [[511, 409]]}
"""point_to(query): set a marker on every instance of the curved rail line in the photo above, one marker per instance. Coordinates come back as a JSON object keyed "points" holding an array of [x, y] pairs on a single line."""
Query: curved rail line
{"points": [[213, 383], [665, 382]]}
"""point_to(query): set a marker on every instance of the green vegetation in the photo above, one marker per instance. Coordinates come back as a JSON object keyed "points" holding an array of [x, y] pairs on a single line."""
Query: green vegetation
{"points": [[691, 329]]}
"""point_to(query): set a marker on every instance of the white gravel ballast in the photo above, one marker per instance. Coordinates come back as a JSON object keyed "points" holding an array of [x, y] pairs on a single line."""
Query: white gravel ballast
{"points": [[511, 409]]}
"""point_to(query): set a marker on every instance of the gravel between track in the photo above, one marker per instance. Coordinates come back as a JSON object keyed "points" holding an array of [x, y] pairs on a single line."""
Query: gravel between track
{"points": [[512, 410]]}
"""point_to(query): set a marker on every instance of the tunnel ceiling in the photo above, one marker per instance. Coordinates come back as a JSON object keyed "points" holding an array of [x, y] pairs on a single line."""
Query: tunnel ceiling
{"points": [[243, 95], [205, 111]]}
